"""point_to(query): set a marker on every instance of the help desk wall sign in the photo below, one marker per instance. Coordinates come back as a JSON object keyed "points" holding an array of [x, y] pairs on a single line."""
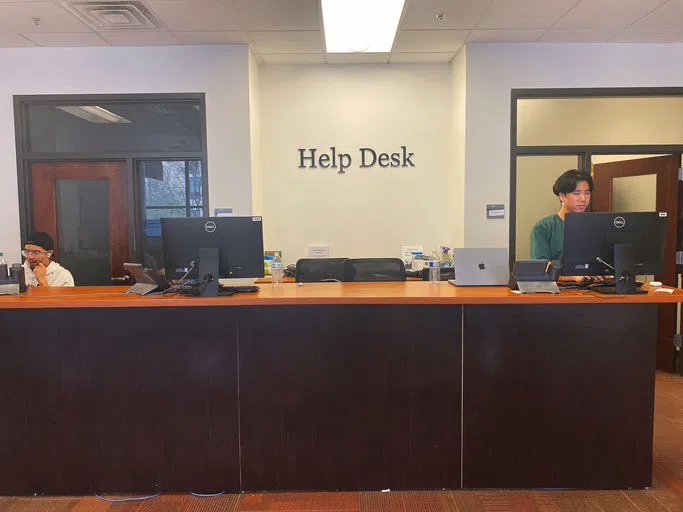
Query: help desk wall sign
{"points": [[312, 159]]}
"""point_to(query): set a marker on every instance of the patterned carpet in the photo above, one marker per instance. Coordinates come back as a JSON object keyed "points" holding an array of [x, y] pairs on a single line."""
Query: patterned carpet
{"points": [[666, 494]]}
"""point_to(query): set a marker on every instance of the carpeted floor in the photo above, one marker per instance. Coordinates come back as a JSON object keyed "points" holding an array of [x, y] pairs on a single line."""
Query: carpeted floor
{"points": [[665, 495]]}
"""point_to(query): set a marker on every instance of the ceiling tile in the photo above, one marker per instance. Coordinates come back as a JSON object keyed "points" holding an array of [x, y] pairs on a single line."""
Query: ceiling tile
{"points": [[52, 18], [648, 36], [10, 40], [310, 41], [67, 40], [430, 40], [577, 36], [515, 22], [460, 14], [140, 38], [412, 58], [523, 8], [505, 36], [357, 58], [214, 37], [279, 15], [607, 14], [288, 31], [196, 15], [292, 58], [668, 16]]}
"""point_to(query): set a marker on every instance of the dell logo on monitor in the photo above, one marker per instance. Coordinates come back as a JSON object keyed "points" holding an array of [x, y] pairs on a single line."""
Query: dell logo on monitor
{"points": [[210, 226], [619, 222]]}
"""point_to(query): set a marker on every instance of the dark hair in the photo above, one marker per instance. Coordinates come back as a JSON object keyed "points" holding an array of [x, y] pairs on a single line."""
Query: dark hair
{"points": [[567, 181], [41, 239]]}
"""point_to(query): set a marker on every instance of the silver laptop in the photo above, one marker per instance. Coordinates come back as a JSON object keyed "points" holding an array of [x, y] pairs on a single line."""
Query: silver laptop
{"points": [[143, 283], [481, 267]]}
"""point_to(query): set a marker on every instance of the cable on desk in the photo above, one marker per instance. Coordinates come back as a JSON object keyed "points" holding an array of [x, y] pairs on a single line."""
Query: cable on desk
{"points": [[175, 288], [199, 495], [121, 500]]}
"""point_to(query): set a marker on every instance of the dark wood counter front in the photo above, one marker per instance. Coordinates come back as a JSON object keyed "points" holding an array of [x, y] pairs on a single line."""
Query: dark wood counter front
{"points": [[357, 386]]}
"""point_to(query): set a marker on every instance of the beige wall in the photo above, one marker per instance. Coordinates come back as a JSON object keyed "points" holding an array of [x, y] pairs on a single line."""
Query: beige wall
{"points": [[459, 74], [255, 136], [365, 212]]}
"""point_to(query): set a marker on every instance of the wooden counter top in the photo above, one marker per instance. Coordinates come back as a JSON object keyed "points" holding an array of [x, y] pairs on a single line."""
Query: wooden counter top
{"points": [[417, 292]]}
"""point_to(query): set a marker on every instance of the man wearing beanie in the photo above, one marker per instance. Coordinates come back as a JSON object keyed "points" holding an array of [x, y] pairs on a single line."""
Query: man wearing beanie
{"points": [[38, 269]]}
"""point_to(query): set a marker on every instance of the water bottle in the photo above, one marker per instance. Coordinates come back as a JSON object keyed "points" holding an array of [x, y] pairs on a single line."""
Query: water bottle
{"points": [[276, 269], [3, 268], [434, 268]]}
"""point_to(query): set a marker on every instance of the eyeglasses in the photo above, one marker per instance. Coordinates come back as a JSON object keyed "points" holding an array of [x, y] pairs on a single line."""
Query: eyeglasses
{"points": [[26, 253]]}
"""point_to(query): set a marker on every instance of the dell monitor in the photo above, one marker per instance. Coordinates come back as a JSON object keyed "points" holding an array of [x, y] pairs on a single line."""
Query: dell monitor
{"points": [[209, 248], [619, 244]]}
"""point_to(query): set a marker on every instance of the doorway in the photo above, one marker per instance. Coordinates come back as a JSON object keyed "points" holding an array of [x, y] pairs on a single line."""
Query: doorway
{"points": [[646, 184], [84, 206]]}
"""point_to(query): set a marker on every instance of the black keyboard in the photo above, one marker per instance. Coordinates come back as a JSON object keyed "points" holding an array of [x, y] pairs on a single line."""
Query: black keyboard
{"points": [[588, 285], [196, 290]]}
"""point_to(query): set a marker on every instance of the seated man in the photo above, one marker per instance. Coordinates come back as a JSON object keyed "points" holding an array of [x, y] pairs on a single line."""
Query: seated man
{"points": [[38, 269]]}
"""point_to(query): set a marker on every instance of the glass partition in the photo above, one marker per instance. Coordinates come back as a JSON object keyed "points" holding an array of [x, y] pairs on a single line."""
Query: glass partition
{"points": [[534, 193], [599, 121], [83, 229], [106, 127], [170, 188]]}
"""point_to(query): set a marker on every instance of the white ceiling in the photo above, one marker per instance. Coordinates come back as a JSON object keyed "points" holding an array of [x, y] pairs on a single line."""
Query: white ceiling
{"points": [[290, 31]]}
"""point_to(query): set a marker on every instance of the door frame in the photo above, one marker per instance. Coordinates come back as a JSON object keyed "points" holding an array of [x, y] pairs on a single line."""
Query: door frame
{"points": [[25, 157], [666, 169]]}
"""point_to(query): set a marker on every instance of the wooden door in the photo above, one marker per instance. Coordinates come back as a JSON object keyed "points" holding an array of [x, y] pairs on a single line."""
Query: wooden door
{"points": [[84, 206], [665, 170]]}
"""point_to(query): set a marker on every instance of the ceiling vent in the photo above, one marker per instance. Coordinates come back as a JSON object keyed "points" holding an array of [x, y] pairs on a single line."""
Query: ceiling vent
{"points": [[115, 15]]}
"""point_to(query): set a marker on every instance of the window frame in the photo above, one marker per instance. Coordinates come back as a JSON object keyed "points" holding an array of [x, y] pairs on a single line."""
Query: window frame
{"points": [[25, 157], [584, 152]]}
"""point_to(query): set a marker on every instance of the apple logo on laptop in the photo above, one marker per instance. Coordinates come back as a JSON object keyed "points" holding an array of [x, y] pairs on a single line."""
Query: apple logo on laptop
{"points": [[482, 266]]}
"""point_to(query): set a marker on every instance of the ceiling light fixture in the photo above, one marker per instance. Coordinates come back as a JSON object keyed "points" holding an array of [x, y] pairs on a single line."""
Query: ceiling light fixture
{"points": [[94, 114], [353, 26]]}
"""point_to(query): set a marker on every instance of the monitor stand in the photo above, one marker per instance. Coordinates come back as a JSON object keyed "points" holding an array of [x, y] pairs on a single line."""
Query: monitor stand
{"points": [[624, 272], [208, 269]]}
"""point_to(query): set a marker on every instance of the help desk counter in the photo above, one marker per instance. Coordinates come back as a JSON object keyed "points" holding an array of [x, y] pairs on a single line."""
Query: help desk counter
{"points": [[325, 386]]}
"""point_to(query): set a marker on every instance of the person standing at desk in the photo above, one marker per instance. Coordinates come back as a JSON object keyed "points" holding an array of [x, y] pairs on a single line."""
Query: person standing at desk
{"points": [[574, 189], [38, 269]]}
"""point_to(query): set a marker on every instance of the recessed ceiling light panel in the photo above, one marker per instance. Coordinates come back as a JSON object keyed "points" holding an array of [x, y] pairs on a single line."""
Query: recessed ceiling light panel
{"points": [[361, 25]]}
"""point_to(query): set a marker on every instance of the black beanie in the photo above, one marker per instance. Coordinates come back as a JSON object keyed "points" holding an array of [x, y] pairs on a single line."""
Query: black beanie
{"points": [[41, 239]]}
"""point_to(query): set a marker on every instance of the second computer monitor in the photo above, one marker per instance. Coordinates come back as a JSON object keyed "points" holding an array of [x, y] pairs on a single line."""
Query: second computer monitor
{"points": [[239, 241], [631, 242]]}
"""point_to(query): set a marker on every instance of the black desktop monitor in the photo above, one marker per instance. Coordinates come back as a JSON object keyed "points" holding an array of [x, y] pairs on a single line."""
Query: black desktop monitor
{"points": [[219, 247], [619, 244]]}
